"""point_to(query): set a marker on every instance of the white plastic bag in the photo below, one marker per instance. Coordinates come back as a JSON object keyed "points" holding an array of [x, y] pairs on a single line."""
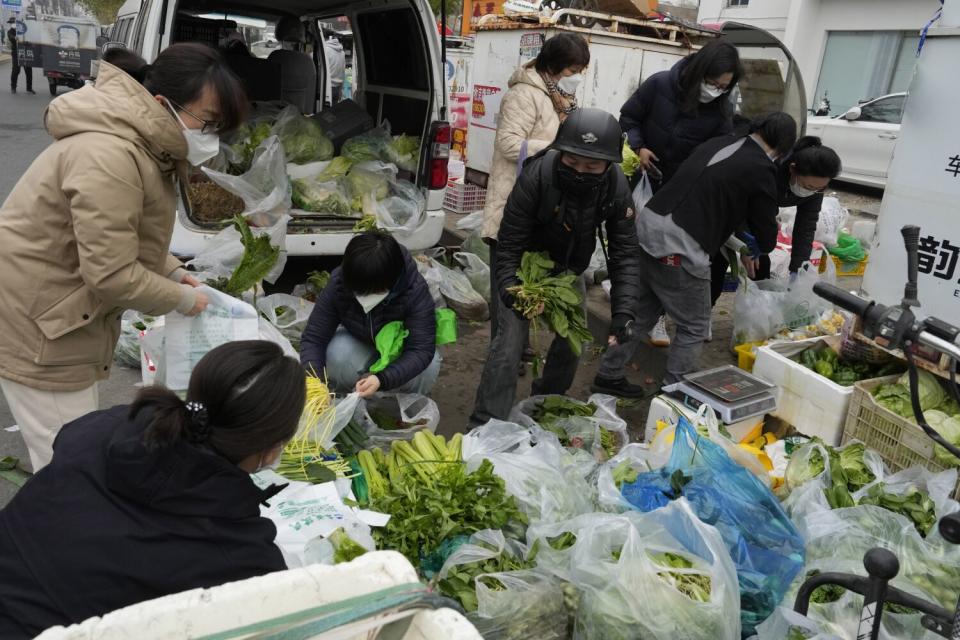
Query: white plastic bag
{"points": [[641, 195], [496, 436], [188, 339], [635, 457], [603, 434], [264, 188], [127, 352], [477, 272], [406, 412], [430, 273], [287, 313], [471, 222], [833, 216], [460, 295], [404, 209], [785, 621], [628, 584], [223, 252]]}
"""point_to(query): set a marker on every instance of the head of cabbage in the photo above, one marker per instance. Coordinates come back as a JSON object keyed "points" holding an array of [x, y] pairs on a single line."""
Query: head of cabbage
{"points": [[361, 182], [303, 140], [320, 197]]}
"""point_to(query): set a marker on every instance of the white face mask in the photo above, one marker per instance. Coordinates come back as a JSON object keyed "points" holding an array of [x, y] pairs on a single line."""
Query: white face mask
{"points": [[709, 93], [799, 191], [570, 84], [370, 300], [200, 146]]}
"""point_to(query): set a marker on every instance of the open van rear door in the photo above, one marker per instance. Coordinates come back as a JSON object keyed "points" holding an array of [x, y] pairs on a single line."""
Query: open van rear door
{"points": [[773, 81]]}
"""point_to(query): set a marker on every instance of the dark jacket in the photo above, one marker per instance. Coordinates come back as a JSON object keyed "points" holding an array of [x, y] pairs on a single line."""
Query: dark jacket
{"points": [[808, 214], [712, 202], [652, 118], [539, 217], [110, 523], [409, 301]]}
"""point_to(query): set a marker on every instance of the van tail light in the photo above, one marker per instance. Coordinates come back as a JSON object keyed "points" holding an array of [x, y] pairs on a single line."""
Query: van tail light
{"points": [[439, 154]]}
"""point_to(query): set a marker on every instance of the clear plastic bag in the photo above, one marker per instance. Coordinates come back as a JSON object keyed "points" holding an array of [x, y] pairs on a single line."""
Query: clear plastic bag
{"points": [[127, 351], [642, 194], [460, 295], [328, 198], [598, 265], [222, 254], [287, 313], [517, 605], [603, 434], [656, 576], [369, 146], [406, 414], [426, 268], [472, 222], [302, 137], [264, 188], [785, 623], [633, 458], [496, 436], [404, 209], [767, 549], [267, 331], [477, 272], [833, 216]]}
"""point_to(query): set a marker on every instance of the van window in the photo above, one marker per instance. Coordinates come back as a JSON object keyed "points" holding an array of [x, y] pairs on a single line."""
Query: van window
{"points": [[140, 25], [394, 51]]}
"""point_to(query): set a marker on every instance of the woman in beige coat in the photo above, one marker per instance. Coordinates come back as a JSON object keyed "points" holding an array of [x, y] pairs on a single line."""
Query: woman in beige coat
{"points": [[87, 228], [540, 96]]}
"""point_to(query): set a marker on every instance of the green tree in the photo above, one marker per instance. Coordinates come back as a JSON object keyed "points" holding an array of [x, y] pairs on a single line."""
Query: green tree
{"points": [[104, 10]]}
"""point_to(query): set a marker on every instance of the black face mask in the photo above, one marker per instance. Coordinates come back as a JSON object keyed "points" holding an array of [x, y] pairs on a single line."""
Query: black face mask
{"points": [[577, 183]]}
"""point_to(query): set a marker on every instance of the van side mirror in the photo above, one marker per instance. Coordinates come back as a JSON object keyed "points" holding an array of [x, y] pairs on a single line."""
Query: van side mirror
{"points": [[853, 113], [113, 44]]}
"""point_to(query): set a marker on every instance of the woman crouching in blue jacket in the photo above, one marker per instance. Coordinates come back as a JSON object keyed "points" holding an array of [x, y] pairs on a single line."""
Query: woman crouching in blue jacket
{"points": [[376, 284]]}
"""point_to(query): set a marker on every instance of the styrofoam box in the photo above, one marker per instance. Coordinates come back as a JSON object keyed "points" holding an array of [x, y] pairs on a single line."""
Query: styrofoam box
{"points": [[814, 405]]}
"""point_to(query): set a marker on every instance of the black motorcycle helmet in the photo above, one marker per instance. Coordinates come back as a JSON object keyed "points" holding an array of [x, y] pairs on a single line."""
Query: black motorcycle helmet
{"points": [[591, 133]]}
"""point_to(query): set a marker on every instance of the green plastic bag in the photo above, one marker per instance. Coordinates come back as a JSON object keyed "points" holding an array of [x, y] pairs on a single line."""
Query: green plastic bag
{"points": [[389, 341], [848, 249]]}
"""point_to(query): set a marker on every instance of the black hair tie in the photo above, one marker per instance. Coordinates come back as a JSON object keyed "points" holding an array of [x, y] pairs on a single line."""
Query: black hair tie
{"points": [[198, 427]]}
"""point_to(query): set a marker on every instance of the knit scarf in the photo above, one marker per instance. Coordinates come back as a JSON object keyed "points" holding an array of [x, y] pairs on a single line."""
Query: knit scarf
{"points": [[563, 103]]}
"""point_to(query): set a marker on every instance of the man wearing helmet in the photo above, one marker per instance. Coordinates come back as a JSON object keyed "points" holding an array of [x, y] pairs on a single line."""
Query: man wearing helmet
{"points": [[567, 197]]}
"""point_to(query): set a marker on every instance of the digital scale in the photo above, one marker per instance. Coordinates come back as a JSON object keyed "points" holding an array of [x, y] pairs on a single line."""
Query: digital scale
{"points": [[733, 393]]}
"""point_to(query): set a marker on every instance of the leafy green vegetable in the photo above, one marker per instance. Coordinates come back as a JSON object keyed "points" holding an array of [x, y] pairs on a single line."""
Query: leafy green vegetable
{"points": [[828, 364], [304, 141], [404, 151], [345, 548], [695, 586], [366, 223], [826, 593], [319, 197], [362, 182], [460, 581], [259, 257], [896, 396], [915, 504], [338, 168], [624, 473], [248, 137], [631, 162], [554, 297], [563, 541], [949, 427], [366, 147]]}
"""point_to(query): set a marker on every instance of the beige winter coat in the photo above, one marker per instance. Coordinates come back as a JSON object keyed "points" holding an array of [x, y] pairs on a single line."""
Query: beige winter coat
{"points": [[86, 234], [526, 113]]}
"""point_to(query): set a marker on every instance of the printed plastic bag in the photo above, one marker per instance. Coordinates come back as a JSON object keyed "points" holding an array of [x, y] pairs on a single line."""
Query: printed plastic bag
{"points": [[603, 433], [544, 478], [264, 188], [404, 209], [764, 544], [477, 272], [833, 216], [460, 295], [642, 194], [657, 576], [395, 416], [287, 313], [222, 253]]}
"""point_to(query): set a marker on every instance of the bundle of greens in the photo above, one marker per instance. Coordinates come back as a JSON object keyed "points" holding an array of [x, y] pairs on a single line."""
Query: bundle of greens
{"points": [[259, 257], [554, 297], [631, 162], [460, 582], [695, 586], [828, 364], [338, 168], [848, 474], [319, 197], [247, 138], [915, 504]]}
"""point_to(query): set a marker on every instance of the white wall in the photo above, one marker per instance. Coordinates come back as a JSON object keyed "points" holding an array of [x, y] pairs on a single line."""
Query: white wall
{"points": [[802, 25]]}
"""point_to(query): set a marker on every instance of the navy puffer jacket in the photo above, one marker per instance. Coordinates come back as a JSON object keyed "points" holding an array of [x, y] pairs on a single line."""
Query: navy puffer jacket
{"points": [[409, 301], [652, 118]]}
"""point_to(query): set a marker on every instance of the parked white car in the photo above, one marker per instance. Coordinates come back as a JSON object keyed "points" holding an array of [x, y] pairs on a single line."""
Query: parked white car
{"points": [[864, 137]]}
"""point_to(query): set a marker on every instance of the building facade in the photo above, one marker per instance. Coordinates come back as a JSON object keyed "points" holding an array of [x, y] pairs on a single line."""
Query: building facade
{"points": [[847, 50]]}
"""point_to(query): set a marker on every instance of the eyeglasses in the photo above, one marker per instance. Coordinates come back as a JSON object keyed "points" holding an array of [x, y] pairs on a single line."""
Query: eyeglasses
{"points": [[208, 126], [716, 86]]}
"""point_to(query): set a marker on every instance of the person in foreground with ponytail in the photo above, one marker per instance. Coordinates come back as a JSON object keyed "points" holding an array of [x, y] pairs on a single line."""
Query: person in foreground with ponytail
{"points": [[87, 228], [802, 177], [154, 498]]}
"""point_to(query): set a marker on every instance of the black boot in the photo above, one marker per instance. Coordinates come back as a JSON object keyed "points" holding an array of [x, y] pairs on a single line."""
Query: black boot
{"points": [[13, 89], [621, 387]]}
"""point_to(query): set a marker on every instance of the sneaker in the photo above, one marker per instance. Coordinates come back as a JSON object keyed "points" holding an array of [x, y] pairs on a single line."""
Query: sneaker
{"points": [[31, 91], [620, 387], [659, 336]]}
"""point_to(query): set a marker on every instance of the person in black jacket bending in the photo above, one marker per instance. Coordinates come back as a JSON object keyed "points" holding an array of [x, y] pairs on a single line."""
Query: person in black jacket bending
{"points": [[377, 283], [726, 183], [152, 499], [563, 199], [801, 179]]}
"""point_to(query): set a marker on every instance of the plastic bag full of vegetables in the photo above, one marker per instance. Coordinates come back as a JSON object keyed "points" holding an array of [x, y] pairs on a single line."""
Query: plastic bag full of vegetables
{"points": [[302, 137], [321, 197]]}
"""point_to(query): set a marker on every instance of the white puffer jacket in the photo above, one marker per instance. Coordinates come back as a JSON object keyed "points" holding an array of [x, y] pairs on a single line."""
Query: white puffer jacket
{"points": [[526, 113]]}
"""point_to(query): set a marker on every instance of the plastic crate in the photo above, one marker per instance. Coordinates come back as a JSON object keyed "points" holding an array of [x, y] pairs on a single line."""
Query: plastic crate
{"points": [[464, 198], [900, 442], [747, 355], [847, 268]]}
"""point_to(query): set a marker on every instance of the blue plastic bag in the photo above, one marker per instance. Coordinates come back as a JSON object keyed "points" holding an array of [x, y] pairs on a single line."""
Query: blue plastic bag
{"points": [[766, 548]]}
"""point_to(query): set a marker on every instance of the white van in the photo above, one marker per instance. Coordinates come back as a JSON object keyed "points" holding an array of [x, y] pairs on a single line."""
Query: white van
{"points": [[397, 78]]}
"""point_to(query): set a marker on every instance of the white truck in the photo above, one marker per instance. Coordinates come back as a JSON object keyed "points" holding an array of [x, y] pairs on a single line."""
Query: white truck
{"points": [[624, 52]]}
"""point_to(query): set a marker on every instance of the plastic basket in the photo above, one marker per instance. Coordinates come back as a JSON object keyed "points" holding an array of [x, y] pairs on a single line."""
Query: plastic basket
{"points": [[900, 442], [847, 268], [747, 355], [464, 198]]}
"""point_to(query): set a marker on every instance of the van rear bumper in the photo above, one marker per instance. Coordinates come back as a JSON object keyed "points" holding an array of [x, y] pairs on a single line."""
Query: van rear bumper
{"points": [[189, 242]]}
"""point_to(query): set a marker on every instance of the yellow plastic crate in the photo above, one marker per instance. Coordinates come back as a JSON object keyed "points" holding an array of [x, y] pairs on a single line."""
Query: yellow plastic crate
{"points": [[847, 268]]}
